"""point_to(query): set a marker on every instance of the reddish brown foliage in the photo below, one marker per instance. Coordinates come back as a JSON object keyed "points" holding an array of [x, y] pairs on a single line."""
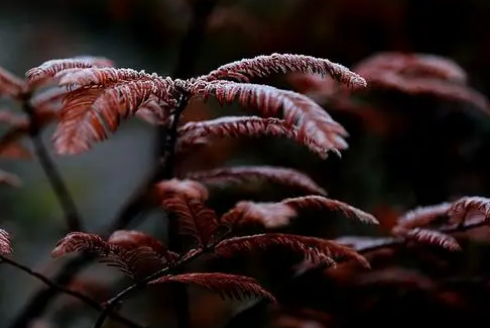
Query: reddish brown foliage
{"points": [[5, 243], [98, 98], [316, 249], [195, 219], [132, 252], [224, 177], [227, 285], [274, 215], [90, 99]]}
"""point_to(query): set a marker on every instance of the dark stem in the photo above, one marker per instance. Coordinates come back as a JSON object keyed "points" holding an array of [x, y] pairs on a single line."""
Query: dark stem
{"points": [[85, 299], [113, 302], [72, 217]]}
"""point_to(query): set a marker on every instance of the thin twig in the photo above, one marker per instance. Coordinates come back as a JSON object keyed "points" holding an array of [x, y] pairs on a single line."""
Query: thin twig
{"points": [[85, 299], [113, 302], [72, 217]]}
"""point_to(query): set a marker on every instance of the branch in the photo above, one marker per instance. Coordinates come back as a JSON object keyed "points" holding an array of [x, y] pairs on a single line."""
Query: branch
{"points": [[85, 299], [113, 302], [72, 217]]}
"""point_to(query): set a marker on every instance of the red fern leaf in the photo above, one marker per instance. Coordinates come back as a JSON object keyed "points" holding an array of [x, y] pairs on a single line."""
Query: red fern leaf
{"points": [[240, 174], [5, 243], [275, 215], [133, 259], [464, 207], [11, 85], [315, 249], [186, 187], [80, 241], [196, 133], [413, 65], [262, 66], [46, 71], [420, 217], [101, 99], [133, 239], [332, 204], [269, 215], [194, 218], [432, 237], [297, 109], [226, 285]]}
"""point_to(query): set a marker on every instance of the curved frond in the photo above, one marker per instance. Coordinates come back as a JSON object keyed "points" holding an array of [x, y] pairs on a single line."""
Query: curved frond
{"points": [[281, 176], [196, 133], [465, 207], [46, 71], [226, 285], [315, 249], [413, 65], [331, 204], [194, 218], [421, 217], [296, 109], [261, 66], [134, 260], [100, 98], [134, 239], [276, 215], [5, 243], [177, 187], [432, 237]]}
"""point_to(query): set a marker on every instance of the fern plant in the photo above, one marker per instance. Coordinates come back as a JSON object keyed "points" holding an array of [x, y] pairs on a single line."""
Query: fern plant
{"points": [[88, 99]]}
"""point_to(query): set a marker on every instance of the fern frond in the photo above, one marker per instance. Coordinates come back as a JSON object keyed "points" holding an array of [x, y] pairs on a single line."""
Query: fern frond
{"points": [[11, 85], [226, 285], [276, 215], [176, 187], [195, 133], [80, 241], [413, 65], [102, 98], [134, 239], [421, 217], [121, 251], [315, 249], [297, 109], [439, 89], [194, 218], [222, 177], [46, 71], [261, 66], [432, 237], [268, 215], [331, 204], [5, 243], [465, 207], [9, 179]]}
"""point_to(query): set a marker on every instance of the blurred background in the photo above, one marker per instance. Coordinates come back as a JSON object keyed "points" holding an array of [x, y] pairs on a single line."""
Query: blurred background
{"points": [[438, 152]]}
